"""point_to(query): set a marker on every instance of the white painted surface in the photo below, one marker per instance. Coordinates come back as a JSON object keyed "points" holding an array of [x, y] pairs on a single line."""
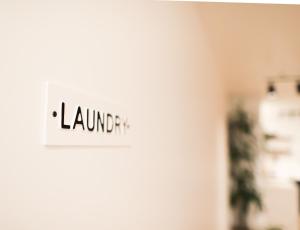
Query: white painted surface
{"points": [[156, 60], [280, 116], [281, 205]]}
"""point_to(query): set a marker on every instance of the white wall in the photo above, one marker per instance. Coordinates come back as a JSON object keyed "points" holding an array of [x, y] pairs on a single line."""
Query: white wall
{"points": [[155, 60]]}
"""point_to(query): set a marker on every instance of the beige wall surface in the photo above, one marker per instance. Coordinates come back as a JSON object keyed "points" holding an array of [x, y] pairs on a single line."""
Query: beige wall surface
{"points": [[254, 42], [155, 60]]}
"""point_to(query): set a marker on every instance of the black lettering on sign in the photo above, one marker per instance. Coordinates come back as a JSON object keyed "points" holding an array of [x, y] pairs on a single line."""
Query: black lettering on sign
{"points": [[101, 121], [117, 124], [94, 120], [87, 122], [109, 120], [63, 125], [78, 118]]}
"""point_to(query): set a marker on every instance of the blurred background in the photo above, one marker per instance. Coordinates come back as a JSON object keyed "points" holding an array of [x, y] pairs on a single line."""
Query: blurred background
{"points": [[258, 49]]}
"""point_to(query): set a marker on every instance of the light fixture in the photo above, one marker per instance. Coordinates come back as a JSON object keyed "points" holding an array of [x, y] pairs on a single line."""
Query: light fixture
{"points": [[272, 89], [298, 87]]}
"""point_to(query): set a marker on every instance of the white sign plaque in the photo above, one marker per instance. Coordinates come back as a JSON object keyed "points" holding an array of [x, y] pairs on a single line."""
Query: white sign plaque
{"points": [[74, 118]]}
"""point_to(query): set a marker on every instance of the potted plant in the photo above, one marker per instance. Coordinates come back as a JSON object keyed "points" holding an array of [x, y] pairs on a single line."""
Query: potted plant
{"points": [[242, 150]]}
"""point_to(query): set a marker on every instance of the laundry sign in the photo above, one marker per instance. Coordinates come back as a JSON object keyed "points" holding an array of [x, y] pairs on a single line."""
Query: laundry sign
{"points": [[76, 118]]}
